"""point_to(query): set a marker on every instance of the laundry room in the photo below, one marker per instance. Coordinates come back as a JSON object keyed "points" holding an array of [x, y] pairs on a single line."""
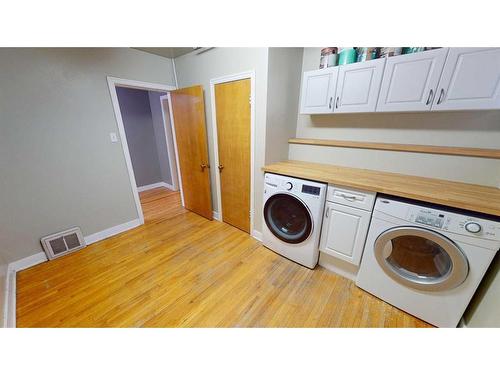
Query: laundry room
{"points": [[347, 197]]}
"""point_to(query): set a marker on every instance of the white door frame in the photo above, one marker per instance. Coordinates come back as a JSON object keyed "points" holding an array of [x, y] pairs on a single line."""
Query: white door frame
{"points": [[174, 141], [171, 144], [230, 78], [114, 82]]}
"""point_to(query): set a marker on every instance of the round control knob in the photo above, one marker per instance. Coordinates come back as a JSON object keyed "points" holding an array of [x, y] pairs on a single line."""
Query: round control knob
{"points": [[473, 227], [288, 186]]}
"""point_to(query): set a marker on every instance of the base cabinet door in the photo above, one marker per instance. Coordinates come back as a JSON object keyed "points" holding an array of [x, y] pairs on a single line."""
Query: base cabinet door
{"points": [[470, 80], [358, 86], [318, 91], [410, 81], [344, 232]]}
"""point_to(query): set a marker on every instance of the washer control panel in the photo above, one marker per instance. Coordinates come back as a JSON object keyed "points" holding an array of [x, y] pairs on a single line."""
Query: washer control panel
{"points": [[313, 190]]}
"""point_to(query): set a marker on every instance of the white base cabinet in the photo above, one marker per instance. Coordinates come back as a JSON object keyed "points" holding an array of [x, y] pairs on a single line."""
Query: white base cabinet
{"points": [[345, 223], [344, 232]]}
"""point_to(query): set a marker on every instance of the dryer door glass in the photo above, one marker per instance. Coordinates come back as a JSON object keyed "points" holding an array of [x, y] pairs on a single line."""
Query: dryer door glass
{"points": [[421, 258], [288, 218]]}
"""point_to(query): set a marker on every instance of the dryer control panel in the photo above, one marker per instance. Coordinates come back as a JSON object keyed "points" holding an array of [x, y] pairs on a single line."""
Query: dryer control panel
{"points": [[431, 218], [456, 223]]}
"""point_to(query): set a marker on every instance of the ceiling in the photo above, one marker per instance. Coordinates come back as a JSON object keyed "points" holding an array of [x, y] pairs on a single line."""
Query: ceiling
{"points": [[170, 52]]}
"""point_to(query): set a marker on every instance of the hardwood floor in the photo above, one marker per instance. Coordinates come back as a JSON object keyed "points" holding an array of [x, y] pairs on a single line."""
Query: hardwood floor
{"points": [[182, 270]]}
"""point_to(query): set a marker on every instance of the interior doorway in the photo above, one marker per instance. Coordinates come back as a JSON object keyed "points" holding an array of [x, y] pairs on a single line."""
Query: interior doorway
{"points": [[146, 146]]}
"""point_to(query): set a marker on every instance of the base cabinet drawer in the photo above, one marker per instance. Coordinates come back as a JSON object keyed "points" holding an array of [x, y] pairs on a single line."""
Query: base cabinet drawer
{"points": [[344, 232], [351, 197]]}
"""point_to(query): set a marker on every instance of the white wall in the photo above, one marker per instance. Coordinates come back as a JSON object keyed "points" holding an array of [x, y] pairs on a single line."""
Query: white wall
{"points": [[468, 129], [195, 69], [58, 166]]}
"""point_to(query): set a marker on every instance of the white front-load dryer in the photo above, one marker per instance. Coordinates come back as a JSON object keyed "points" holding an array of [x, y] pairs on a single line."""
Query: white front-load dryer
{"points": [[293, 212], [427, 260]]}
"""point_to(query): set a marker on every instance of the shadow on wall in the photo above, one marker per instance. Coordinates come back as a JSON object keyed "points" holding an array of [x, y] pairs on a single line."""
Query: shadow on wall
{"points": [[466, 120]]}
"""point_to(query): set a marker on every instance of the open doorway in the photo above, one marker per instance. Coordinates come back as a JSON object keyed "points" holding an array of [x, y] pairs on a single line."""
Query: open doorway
{"points": [[146, 136]]}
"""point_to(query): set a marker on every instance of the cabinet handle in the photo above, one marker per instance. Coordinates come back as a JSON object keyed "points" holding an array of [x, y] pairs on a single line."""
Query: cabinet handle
{"points": [[330, 103], [337, 102], [327, 211], [221, 167], [429, 99], [203, 166], [440, 96], [348, 197]]}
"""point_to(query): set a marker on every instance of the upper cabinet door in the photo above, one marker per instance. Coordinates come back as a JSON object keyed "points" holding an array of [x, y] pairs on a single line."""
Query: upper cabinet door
{"points": [[318, 91], [410, 81], [358, 86], [470, 80]]}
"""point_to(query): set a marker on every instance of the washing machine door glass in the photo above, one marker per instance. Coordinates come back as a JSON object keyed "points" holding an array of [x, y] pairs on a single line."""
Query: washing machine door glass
{"points": [[421, 259], [288, 218]]}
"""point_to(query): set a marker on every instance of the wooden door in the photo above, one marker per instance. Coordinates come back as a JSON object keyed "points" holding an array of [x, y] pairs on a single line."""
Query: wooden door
{"points": [[232, 102], [470, 80], [188, 111], [318, 91], [410, 81], [358, 86], [344, 232]]}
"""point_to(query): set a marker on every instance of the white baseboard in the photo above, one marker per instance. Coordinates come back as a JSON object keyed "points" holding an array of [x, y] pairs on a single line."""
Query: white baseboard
{"points": [[154, 186], [257, 235], [27, 262], [338, 266], [99, 236], [169, 186], [216, 215], [9, 312]]}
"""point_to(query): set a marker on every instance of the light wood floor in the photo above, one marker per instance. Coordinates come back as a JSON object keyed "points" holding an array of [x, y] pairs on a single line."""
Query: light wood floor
{"points": [[181, 270]]}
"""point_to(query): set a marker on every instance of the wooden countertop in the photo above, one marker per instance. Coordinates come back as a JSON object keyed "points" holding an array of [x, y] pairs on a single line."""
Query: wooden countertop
{"points": [[472, 197]]}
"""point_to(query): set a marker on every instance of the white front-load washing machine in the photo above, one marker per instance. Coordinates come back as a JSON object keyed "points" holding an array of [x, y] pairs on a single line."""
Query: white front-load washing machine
{"points": [[427, 260], [293, 212]]}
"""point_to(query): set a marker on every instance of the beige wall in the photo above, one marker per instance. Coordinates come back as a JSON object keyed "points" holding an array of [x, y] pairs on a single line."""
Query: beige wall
{"points": [[283, 85], [58, 167], [195, 69], [470, 129]]}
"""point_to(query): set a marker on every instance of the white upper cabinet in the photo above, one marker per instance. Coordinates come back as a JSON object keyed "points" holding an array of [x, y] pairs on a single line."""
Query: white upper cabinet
{"points": [[470, 80], [410, 81], [358, 86], [318, 91]]}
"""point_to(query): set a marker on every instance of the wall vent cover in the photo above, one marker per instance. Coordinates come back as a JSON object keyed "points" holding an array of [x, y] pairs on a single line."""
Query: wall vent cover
{"points": [[62, 243]]}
